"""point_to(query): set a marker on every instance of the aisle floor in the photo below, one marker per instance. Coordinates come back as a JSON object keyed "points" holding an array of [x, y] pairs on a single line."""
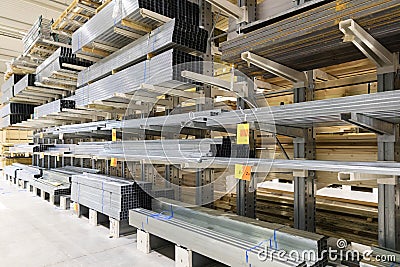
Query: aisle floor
{"points": [[35, 233]]}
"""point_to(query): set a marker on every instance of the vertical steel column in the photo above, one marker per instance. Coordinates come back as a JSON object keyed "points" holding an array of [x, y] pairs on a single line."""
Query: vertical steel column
{"points": [[174, 176], [389, 194], [304, 182], [246, 193]]}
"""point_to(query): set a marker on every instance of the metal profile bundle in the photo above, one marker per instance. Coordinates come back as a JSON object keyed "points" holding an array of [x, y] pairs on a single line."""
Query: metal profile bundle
{"points": [[159, 70], [61, 68], [27, 173], [101, 28], [7, 89], [14, 113], [236, 241], [90, 148], [11, 171], [40, 34], [56, 184], [22, 148], [311, 40], [27, 81], [61, 149], [53, 108], [111, 196], [162, 148], [185, 37]]}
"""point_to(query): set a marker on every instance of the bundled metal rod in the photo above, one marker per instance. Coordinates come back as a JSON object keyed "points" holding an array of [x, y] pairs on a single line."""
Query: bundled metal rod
{"points": [[53, 107], [111, 196]]}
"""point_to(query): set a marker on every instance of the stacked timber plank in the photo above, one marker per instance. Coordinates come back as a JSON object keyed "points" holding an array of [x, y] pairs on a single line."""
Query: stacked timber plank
{"points": [[113, 197]]}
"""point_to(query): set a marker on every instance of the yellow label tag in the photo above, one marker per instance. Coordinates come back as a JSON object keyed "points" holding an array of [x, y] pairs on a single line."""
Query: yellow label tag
{"points": [[41, 135], [58, 158], [113, 162], [243, 134], [42, 155], [114, 135], [242, 172], [76, 206]]}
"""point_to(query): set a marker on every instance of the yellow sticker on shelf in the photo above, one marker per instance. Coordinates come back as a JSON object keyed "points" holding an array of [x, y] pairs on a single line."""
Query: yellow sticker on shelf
{"points": [[114, 135], [242, 172], [113, 162], [243, 134], [42, 155], [41, 135], [58, 158]]}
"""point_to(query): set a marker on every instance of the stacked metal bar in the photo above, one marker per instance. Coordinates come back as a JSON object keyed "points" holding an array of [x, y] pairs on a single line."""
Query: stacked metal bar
{"points": [[62, 60], [26, 81], [14, 113], [310, 40], [28, 173], [159, 70], [101, 28], [39, 32], [231, 236], [7, 89], [111, 196], [11, 171], [89, 148], [22, 148], [53, 107], [185, 37]]}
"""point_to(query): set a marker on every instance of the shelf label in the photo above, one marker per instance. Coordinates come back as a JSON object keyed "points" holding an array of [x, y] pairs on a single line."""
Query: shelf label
{"points": [[113, 162], [243, 134], [114, 135], [42, 155], [242, 172], [61, 136], [41, 135]]}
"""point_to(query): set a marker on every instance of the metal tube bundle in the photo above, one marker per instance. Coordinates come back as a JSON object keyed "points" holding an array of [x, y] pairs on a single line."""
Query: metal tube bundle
{"points": [[26, 81], [101, 28], [22, 148], [7, 89], [11, 170], [62, 60], [159, 70], [14, 113], [55, 183], [39, 32], [174, 33], [53, 107], [111, 196]]}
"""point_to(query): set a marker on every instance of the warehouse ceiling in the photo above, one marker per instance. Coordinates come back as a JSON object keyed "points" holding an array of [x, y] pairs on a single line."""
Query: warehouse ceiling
{"points": [[16, 18]]}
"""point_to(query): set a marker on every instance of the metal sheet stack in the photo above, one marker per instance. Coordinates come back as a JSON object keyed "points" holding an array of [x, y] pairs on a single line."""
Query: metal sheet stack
{"points": [[61, 60], [39, 32], [159, 70], [101, 28], [26, 81], [7, 89], [113, 197], [53, 107], [173, 34], [27, 173], [14, 113], [22, 148], [11, 170]]}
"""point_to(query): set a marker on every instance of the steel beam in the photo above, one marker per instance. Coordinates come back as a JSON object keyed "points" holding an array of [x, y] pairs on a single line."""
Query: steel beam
{"points": [[372, 124]]}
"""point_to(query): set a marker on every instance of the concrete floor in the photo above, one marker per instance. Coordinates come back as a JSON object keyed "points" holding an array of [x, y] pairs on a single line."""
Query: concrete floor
{"points": [[35, 233]]}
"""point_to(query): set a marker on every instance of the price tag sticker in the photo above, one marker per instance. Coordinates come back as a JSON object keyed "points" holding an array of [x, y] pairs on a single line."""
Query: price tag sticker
{"points": [[42, 155], [243, 134], [113, 162], [242, 172], [114, 135]]}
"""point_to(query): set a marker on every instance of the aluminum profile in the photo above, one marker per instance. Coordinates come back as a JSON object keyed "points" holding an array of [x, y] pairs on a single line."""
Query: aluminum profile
{"points": [[159, 70], [14, 113], [40, 31], [53, 107], [7, 89], [100, 28], [111, 196], [237, 241], [26, 81], [185, 37]]}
